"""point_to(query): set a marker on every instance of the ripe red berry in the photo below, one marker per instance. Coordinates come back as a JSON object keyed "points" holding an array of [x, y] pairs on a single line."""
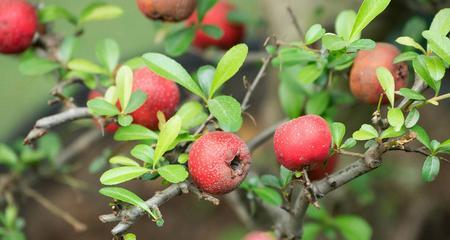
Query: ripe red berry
{"points": [[167, 10], [233, 33], [304, 141], [110, 127], [218, 162], [162, 95], [363, 77], [324, 168], [18, 24], [257, 235]]}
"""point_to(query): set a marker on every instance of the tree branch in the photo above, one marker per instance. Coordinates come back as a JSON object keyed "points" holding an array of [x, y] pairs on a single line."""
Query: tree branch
{"points": [[44, 124]]}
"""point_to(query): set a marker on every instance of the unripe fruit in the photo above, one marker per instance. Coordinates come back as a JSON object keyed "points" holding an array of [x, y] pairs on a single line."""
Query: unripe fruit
{"points": [[304, 141], [18, 24], [110, 127], [162, 95], [167, 10], [324, 168], [218, 162], [363, 76], [259, 236], [233, 33]]}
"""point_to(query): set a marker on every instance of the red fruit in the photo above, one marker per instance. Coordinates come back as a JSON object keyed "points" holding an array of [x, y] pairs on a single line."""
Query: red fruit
{"points": [[162, 95], [167, 10], [363, 77], [302, 141], [259, 236], [18, 23], [218, 162], [110, 127], [324, 168], [233, 33]]}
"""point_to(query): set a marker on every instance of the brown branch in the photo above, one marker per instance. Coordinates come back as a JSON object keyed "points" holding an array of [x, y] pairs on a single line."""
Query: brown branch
{"points": [[44, 124], [295, 22], [76, 224]]}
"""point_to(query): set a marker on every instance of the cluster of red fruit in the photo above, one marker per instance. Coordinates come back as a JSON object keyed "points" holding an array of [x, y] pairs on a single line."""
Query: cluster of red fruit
{"points": [[179, 10]]}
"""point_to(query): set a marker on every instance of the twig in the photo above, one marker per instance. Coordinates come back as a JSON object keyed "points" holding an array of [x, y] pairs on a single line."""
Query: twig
{"points": [[80, 144], [44, 124], [76, 224], [262, 137], [236, 204], [295, 22], [353, 154]]}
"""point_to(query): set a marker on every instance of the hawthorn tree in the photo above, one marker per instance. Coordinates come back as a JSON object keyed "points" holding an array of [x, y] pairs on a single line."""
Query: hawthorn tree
{"points": [[191, 146]]}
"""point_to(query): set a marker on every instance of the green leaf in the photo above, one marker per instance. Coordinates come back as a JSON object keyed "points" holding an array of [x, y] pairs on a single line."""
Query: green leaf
{"points": [[269, 195], [212, 31], [143, 152], [392, 133], [228, 66], [50, 144], [125, 120], [137, 99], [420, 67], [37, 66], [173, 173], [435, 67], [412, 118], [361, 44], [135, 63], [395, 118], [445, 146], [318, 103], [101, 107], [353, 227], [338, 132], [178, 41], [407, 41], [86, 66], [318, 214], [51, 13], [291, 100], [67, 48], [121, 160], [124, 84], [314, 33], [171, 70], [99, 11], [405, 56], [134, 132], [367, 12], [411, 94], [227, 111], [285, 176], [111, 95], [129, 236], [108, 53], [333, 42], [271, 181], [310, 73], [441, 22], [203, 6], [7, 155], [192, 114], [366, 132], [344, 24], [349, 143], [205, 76], [434, 146], [430, 168], [386, 81], [311, 231], [167, 135], [122, 174], [439, 44], [422, 136], [183, 158], [124, 195]]}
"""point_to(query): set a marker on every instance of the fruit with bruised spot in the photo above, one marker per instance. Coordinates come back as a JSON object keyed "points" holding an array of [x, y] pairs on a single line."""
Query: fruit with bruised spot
{"points": [[233, 33], [301, 142], [219, 162], [110, 127], [18, 24], [162, 95], [363, 76], [258, 235], [167, 10], [324, 168]]}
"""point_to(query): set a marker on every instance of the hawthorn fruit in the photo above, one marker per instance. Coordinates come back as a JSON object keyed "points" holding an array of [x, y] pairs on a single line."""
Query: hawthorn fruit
{"points": [[258, 235], [324, 168], [167, 10]]}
